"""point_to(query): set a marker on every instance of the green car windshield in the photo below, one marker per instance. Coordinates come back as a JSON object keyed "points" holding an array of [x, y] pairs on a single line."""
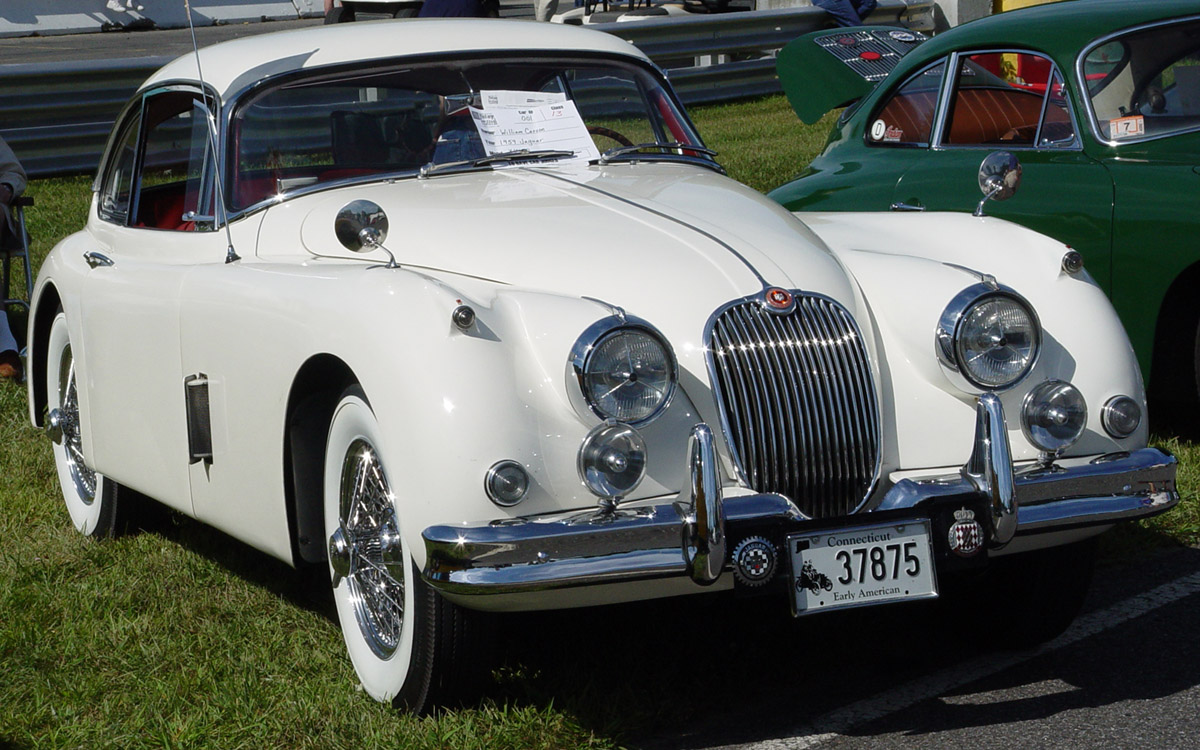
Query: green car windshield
{"points": [[1145, 84]]}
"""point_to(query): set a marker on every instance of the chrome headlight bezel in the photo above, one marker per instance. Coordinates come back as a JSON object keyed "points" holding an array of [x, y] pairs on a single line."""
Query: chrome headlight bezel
{"points": [[597, 334], [950, 328]]}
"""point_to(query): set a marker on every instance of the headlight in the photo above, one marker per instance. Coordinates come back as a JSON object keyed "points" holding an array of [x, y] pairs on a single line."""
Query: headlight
{"points": [[988, 336], [625, 370], [1054, 416]]}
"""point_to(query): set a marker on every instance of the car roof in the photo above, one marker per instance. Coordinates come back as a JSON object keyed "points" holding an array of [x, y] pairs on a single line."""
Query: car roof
{"points": [[1064, 27], [231, 66]]}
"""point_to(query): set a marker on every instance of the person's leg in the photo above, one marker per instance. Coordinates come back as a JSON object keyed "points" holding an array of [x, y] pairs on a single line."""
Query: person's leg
{"points": [[544, 10], [841, 11], [7, 341], [864, 7]]}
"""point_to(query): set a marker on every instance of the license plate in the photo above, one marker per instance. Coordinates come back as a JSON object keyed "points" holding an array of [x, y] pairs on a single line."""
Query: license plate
{"points": [[861, 566]]}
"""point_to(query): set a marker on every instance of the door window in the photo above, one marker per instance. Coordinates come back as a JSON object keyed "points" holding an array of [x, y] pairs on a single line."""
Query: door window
{"points": [[175, 174], [1008, 99], [1146, 83]]}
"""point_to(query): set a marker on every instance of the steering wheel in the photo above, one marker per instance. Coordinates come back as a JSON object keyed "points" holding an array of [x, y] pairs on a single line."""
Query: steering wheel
{"points": [[609, 133]]}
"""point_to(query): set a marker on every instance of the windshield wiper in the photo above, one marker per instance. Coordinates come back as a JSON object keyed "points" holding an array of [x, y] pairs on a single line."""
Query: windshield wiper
{"points": [[619, 151], [507, 157]]}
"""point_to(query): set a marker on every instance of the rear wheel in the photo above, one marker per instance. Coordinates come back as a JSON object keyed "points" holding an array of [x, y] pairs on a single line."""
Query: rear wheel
{"points": [[406, 642], [93, 501]]}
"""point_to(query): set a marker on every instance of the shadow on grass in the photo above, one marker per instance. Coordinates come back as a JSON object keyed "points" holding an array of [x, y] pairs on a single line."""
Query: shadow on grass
{"points": [[306, 587], [685, 672]]}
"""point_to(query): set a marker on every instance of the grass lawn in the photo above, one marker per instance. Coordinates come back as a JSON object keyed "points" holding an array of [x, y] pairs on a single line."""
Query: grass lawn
{"points": [[178, 636]]}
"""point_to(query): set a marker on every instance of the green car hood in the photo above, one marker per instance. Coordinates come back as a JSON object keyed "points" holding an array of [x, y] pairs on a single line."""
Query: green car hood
{"points": [[831, 68]]}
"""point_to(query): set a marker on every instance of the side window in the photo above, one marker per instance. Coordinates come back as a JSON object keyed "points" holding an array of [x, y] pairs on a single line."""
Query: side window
{"points": [[173, 185], [1145, 84], [1058, 127], [999, 100], [117, 187], [906, 118]]}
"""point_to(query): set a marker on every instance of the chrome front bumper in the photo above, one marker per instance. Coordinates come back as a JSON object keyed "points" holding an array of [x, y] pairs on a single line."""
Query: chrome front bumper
{"points": [[687, 537]]}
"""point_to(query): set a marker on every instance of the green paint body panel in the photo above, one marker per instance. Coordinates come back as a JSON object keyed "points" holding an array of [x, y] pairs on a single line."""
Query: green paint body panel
{"points": [[1132, 210]]}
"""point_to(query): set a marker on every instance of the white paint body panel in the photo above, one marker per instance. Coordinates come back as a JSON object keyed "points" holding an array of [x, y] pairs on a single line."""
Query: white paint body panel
{"points": [[540, 253]]}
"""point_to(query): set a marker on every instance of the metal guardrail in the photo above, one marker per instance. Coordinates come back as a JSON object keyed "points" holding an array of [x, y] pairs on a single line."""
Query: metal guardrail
{"points": [[57, 116]]}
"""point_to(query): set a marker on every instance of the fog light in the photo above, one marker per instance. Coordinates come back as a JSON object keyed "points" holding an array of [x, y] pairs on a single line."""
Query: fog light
{"points": [[506, 483], [1054, 416], [1121, 416], [612, 460]]}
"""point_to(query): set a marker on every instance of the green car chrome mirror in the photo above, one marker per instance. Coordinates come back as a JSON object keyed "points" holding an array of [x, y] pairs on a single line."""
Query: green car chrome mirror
{"points": [[999, 177]]}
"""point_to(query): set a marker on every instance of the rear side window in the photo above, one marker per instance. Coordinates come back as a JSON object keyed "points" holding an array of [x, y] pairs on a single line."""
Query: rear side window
{"points": [[907, 117]]}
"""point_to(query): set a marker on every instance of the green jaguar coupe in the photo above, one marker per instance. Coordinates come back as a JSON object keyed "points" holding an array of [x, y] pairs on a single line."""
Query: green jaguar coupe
{"points": [[1095, 108]]}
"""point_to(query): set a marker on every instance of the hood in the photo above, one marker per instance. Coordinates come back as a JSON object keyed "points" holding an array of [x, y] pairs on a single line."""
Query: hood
{"points": [[641, 236]]}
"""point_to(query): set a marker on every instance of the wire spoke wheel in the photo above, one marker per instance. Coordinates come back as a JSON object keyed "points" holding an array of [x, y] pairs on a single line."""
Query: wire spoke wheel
{"points": [[376, 577], [72, 439], [409, 646]]}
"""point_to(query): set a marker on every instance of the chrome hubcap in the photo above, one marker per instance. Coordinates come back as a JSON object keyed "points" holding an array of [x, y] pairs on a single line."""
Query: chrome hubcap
{"points": [[366, 552], [63, 426]]}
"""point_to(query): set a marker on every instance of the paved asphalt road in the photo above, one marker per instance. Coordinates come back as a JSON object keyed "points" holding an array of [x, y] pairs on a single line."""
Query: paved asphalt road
{"points": [[1125, 675], [154, 43]]}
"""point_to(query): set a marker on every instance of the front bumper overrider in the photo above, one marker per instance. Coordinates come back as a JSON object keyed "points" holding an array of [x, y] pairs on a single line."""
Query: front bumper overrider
{"points": [[688, 537]]}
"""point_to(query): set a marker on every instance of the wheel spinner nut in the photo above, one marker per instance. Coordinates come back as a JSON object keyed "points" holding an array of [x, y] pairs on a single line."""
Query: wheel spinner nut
{"points": [[754, 561]]}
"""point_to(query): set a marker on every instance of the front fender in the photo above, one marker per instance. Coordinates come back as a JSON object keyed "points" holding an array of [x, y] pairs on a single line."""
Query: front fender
{"points": [[910, 266]]}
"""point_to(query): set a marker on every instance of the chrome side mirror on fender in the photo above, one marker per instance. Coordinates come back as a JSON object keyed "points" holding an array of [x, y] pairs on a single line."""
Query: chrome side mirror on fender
{"points": [[999, 178], [362, 226]]}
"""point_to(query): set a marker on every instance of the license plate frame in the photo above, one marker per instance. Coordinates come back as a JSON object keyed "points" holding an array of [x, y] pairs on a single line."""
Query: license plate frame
{"points": [[906, 561]]}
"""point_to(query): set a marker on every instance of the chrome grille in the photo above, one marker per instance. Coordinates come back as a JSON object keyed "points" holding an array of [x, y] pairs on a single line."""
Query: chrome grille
{"points": [[798, 401]]}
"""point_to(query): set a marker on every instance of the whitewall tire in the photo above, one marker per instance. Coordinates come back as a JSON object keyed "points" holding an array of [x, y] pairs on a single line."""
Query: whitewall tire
{"points": [[407, 644], [92, 501]]}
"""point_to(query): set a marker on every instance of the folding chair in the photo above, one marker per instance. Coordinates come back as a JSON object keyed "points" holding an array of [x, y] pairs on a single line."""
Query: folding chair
{"points": [[16, 246]]}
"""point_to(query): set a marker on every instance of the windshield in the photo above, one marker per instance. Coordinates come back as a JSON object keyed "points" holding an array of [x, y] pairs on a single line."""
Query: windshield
{"points": [[396, 120], [1145, 84]]}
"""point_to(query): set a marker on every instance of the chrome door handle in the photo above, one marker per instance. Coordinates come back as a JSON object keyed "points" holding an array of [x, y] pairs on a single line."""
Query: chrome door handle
{"points": [[95, 259]]}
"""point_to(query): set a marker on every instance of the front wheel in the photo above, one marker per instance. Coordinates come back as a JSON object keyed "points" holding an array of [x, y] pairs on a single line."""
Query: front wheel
{"points": [[407, 644], [93, 501]]}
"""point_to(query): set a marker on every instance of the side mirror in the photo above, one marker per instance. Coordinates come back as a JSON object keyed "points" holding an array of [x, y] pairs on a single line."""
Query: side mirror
{"points": [[999, 177], [361, 226]]}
